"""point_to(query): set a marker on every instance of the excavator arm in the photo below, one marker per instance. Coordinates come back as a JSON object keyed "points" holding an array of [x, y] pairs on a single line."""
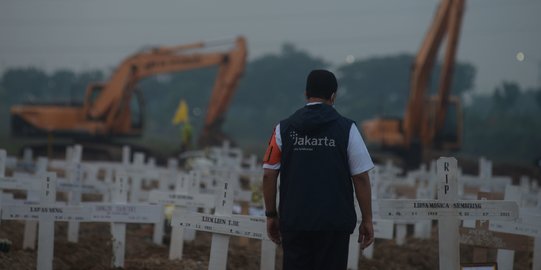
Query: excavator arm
{"points": [[414, 117], [229, 75], [111, 104], [447, 70]]}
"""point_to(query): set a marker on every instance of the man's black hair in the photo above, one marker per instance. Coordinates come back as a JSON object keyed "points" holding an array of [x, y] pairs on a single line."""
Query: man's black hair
{"points": [[321, 84]]}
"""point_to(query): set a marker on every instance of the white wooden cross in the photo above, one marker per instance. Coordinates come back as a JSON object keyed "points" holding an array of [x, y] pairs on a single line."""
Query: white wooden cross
{"points": [[46, 213], [74, 173], [119, 212], [157, 236], [31, 186], [136, 174], [448, 210], [31, 226], [223, 224]]}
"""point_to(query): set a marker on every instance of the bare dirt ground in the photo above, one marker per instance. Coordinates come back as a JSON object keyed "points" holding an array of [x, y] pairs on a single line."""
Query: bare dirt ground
{"points": [[94, 252]]}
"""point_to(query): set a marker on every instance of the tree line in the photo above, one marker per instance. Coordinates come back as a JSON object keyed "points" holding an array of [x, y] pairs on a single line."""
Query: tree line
{"points": [[503, 125]]}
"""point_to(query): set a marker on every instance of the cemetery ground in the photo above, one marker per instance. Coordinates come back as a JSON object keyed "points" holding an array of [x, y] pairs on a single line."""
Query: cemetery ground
{"points": [[94, 251]]}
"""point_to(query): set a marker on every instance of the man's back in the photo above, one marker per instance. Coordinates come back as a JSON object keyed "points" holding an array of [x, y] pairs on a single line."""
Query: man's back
{"points": [[315, 189]]}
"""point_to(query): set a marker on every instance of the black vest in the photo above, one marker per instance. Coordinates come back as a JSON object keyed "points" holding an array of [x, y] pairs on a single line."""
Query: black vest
{"points": [[316, 191]]}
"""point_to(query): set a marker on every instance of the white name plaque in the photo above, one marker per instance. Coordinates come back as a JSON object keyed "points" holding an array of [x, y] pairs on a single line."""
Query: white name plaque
{"points": [[52, 212], [475, 210], [126, 213], [196, 200], [237, 225]]}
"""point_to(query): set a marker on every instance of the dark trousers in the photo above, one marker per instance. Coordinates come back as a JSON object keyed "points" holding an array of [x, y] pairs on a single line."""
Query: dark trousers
{"points": [[307, 250]]}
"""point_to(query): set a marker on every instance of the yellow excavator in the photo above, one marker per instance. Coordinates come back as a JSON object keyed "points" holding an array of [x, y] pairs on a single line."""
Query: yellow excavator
{"points": [[431, 123], [113, 109]]}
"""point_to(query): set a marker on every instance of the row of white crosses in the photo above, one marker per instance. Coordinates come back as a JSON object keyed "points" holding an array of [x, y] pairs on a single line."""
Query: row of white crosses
{"points": [[31, 183], [448, 210], [47, 211], [108, 213], [119, 215]]}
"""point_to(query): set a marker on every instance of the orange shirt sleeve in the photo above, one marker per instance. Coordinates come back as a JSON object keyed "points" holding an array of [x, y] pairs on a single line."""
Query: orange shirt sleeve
{"points": [[273, 155]]}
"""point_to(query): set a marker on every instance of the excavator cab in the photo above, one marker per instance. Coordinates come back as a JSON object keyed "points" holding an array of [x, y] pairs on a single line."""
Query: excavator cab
{"points": [[390, 132], [389, 135]]}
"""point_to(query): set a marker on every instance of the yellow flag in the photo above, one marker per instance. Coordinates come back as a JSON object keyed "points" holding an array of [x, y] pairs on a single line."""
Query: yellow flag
{"points": [[181, 116]]}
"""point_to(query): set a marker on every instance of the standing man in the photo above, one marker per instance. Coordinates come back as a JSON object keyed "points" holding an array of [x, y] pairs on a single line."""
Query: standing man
{"points": [[322, 160]]}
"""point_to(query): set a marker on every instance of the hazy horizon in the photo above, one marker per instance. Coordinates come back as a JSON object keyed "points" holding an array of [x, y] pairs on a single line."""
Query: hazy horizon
{"points": [[79, 35]]}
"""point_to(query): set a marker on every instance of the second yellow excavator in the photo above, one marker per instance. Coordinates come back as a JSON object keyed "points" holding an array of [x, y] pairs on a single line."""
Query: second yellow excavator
{"points": [[430, 123]]}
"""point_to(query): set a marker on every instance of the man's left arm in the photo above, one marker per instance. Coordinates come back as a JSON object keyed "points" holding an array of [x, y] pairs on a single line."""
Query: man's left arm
{"points": [[360, 163], [271, 166], [361, 184], [270, 190]]}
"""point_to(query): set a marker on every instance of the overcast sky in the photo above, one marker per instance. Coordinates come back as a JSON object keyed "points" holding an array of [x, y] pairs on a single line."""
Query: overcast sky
{"points": [[98, 34]]}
